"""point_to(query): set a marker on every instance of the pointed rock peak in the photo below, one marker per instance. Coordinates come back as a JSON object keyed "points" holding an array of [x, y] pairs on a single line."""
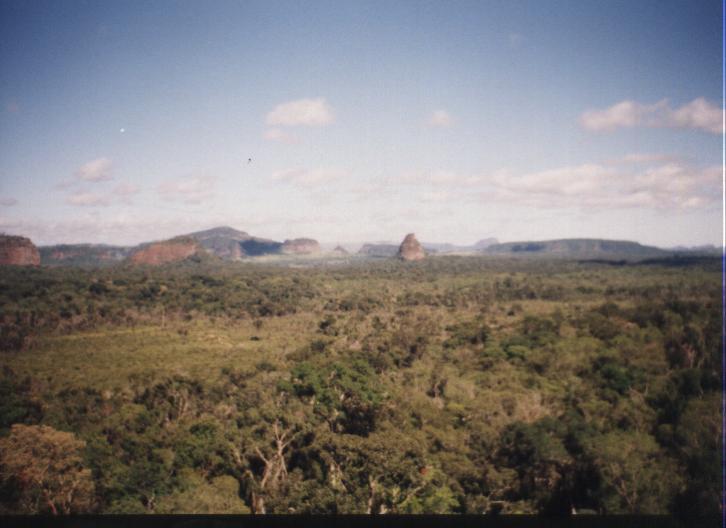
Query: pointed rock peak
{"points": [[411, 249]]}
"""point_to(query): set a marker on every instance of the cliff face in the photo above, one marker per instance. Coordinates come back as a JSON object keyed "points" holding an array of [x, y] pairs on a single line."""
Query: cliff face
{"points": [[410, 249], [164, 252], [300, 246], [18, 251]]}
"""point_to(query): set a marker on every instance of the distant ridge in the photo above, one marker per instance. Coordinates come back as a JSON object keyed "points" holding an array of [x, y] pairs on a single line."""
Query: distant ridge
{"points": [[454, 248], [82, 255], [577, 248], [232, 244], [379, 250]]}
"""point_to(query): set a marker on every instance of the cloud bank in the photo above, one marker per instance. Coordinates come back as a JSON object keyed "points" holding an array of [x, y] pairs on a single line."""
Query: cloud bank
{"points": [[302, 112], [308, 177], [95, 170], [670, 186], [193, 190], [279, 135], [699, 114], [441, 119], [87, 199]]}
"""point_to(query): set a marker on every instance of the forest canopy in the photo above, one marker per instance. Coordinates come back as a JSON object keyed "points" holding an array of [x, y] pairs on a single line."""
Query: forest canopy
{"points": [[451, 385]]}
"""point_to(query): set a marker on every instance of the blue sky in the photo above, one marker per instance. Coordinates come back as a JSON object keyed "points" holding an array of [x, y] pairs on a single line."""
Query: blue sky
{"points": [[129, 121]]}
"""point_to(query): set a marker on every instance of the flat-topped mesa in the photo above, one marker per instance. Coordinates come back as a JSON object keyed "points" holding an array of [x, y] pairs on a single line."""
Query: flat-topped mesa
{"points": [[300, 246], [18, 251], [411, 249], [164, 252]]}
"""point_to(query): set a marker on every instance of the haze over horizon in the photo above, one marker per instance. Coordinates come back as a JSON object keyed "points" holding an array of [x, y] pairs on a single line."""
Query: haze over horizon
{"points": [[129, 122]]}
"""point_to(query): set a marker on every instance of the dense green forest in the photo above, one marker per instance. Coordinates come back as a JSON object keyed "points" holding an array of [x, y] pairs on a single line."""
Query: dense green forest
{"points": [[452, 385]]}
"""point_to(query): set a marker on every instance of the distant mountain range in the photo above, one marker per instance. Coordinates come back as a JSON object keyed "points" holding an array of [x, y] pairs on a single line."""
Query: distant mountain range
{"points": [[389, 249], [589, 248], [227, 243], [223, 242]]}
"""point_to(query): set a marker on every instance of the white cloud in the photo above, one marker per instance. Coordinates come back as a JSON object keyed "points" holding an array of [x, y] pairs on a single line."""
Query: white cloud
{"points": [[8, 202], [126, 189], [124, 192], [126, 227], [95, 170], [435, 196], [10, 224], [279, 135], [441, 118], [302, 112], [561, 181], [644, 157], [193, 190], [440, 178], [665, 186], [308, 177], [87, 199], [699, 114], [121, 194]]}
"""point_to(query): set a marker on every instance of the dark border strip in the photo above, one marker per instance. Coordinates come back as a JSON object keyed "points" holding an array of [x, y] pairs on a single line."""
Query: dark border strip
{"points": [[355, 521]]}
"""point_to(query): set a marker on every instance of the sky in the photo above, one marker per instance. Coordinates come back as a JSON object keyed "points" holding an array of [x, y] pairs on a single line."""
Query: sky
{"points": [[123, 122]]}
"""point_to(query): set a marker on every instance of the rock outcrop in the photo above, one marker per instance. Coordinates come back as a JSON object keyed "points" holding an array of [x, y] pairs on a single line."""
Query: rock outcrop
{"points": [[224, 242], [300, 246], [159, 253], [410, 249], [18, 251], [340, 251]]}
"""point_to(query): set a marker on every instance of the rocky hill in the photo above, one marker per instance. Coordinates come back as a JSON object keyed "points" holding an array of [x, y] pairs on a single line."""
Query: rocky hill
{"points": [[18, 251], [580, 248], [158, 253], [410, 249], [300, 246], [225, 242], [485, 243], [230, 244]]}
